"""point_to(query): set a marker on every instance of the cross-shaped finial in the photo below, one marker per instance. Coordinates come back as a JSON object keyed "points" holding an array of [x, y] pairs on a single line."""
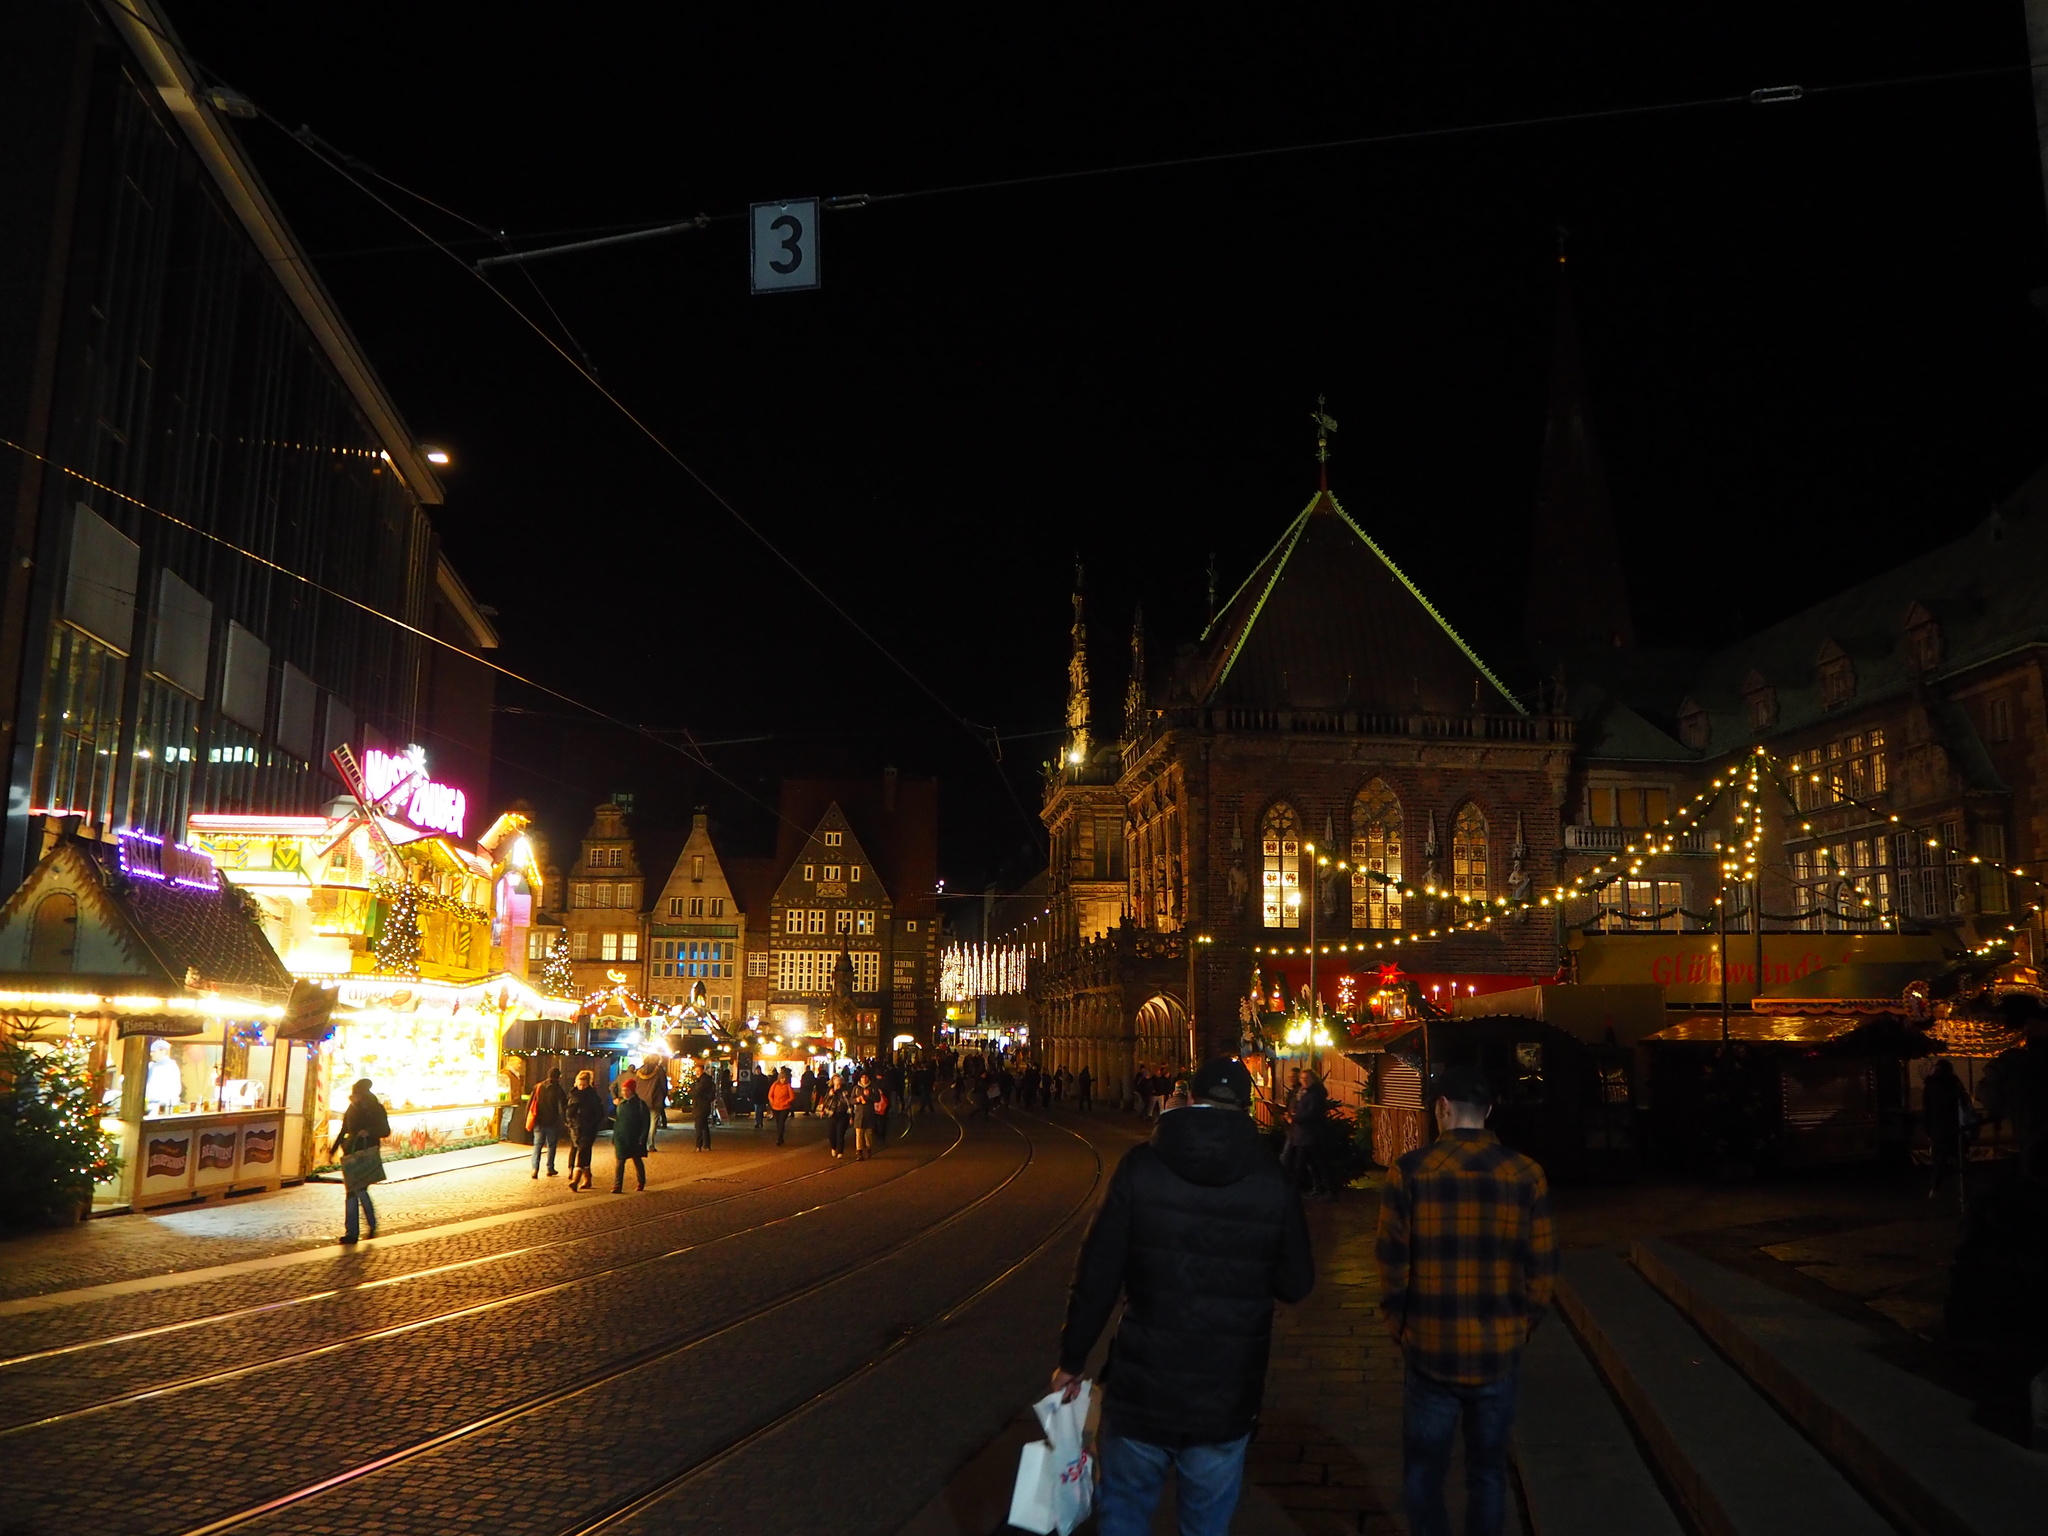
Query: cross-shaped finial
{"points": [[1325, 425]]}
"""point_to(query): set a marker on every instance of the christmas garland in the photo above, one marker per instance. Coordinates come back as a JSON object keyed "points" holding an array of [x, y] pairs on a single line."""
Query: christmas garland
{"points": [[426, 896]]}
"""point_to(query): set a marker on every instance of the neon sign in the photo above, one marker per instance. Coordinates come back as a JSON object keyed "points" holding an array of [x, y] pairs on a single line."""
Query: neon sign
{"points": [[401, 780], [154, 859]]}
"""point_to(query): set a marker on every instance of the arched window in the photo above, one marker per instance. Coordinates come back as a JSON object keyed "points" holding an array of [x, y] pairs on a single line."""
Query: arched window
{"points": [[1468, 855], [1376, 857], [53, 934], [1280, 845]]}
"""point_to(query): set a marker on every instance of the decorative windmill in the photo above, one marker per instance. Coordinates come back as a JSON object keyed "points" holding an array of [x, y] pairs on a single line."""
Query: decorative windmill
{"points": [[368, 810]]}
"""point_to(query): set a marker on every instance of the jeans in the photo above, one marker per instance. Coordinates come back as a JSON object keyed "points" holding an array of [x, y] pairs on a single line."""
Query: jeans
{"points": [[1133, 1473], [357, 1199], [781, 1125], [549, 1136], [1430, 1410], [619, 1172]]}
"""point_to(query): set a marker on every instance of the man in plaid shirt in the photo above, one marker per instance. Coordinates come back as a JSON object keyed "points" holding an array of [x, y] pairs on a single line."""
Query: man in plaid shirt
{"points": [[1468, 1257]]}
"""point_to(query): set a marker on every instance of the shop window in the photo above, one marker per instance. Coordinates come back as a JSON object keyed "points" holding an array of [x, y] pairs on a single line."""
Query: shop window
{"points": [[579, 945], [629, 946], [1376, 857], [1469, 874], [1280, 867], [53, 934]]}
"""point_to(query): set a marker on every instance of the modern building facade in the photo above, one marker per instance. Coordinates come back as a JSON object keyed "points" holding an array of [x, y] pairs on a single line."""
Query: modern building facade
{"points": [[206, 477]]}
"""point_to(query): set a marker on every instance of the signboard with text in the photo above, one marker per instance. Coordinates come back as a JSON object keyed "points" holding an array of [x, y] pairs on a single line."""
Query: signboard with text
{"points": [[1688, 965]]}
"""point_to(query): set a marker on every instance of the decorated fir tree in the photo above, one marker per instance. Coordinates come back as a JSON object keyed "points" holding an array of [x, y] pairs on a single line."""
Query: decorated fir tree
{"points": [[52, 1147], [398, 941], [556, 978]]}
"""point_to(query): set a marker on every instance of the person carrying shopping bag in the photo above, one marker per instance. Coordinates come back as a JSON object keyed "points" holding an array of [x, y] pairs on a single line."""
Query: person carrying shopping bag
{"points": [[363, 1126]]}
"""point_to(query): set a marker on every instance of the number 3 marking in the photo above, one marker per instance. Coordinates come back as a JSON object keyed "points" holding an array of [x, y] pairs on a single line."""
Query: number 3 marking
{"points": [[789, 243]]}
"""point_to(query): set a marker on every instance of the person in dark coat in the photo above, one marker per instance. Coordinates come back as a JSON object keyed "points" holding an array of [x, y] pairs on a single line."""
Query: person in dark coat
{"points": [[839, 1115], [544, 1118], [586, 1121], [363, 1124], [703, 1097], [807, 1092], [1084, 1090], [1199, 1234], [1941, 1111], [632, 1124], [757, 1091]]}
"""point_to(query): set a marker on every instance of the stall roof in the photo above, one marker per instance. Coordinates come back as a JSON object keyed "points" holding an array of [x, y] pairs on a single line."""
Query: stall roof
{"points": [[1853, 986], [1632, 1011], [1761, 1029]]}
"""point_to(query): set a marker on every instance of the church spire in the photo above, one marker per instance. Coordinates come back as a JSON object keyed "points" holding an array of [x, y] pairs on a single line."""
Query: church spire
{"points": [[1134, 690], [1577, 593], [1077, 677]]}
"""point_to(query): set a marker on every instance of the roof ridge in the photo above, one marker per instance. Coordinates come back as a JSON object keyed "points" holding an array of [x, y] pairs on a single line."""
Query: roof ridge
{"points": [[1290, 538], [1285, 534], [1416, 592]]}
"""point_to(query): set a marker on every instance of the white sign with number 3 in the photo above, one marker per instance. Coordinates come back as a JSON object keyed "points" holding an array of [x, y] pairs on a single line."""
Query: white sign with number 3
{"points": [[784, 247]]}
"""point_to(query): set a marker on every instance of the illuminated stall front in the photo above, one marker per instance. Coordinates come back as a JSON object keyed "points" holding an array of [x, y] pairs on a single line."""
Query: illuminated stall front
{"points": [[382, 900], [141, 950]]}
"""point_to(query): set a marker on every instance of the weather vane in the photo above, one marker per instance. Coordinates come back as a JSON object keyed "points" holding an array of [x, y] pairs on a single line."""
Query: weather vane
{"points": [[1324, 427]]}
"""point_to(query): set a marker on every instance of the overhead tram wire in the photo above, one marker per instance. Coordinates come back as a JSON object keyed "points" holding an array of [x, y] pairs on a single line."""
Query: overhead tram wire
{"points": [[984, 736], [331, 157], [692, 753], [1762, 96]]}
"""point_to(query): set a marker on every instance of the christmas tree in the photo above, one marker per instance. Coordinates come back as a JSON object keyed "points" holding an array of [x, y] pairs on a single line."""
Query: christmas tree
{"points": [[556, 979], [398, 941], [52, 1149]]}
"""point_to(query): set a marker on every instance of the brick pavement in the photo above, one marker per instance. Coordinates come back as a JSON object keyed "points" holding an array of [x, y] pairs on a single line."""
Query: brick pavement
{"points": [[113, 1249]]}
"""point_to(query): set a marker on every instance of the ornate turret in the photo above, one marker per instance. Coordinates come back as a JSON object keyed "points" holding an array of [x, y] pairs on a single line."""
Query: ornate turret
{"points": [[1134, 690], [1077, 677]]}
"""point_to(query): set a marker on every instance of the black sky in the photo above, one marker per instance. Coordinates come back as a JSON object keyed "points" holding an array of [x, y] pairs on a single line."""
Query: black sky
{"points": [[1811, 343]]}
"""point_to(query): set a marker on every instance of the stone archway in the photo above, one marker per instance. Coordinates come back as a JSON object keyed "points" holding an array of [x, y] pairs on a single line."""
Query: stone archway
{"points": [[1159, 1032]]}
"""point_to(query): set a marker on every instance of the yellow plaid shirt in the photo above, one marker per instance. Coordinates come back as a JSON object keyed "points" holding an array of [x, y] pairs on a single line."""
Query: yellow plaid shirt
{"points": [[1467, 1253]]}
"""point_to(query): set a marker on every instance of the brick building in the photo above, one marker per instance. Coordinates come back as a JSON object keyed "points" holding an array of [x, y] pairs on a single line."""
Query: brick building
{"points": [[603, 917], [1330, 744], [696, 930], [830, 904]]}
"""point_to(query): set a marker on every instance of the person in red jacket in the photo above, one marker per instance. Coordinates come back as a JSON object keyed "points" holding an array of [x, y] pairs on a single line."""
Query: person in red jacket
{"points": [[781, 1100]]}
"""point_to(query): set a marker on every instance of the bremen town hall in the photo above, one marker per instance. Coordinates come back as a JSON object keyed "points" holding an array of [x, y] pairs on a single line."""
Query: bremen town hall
{"points": [[1332, 767]]}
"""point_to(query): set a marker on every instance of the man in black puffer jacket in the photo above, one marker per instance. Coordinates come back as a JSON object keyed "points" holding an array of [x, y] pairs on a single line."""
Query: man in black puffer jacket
{"points": [[1200, 1232]]}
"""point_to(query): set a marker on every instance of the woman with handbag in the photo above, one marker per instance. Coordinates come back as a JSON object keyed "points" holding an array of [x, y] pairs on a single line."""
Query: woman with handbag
{"points": [[363, 1126], [586, 1120]]}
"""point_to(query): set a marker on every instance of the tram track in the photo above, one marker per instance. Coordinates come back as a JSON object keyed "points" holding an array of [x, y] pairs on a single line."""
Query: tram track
{"points": [[518, 1297], [670, 1349], [619, 1516]]}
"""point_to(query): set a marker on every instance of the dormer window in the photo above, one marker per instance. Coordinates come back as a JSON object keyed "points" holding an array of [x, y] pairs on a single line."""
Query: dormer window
{"points": [[1837, 676], [832, 839], [1693, 728], [1922, 636], [1760, 701]]}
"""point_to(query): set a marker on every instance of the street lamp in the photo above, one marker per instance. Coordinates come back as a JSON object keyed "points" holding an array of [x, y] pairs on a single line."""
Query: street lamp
{"points": [[1194, 1057]]}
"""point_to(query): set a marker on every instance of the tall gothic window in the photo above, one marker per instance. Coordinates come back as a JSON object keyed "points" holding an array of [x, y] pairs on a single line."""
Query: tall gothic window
{"points": [[1468, 855], [1280, 842], [1376, 858]]}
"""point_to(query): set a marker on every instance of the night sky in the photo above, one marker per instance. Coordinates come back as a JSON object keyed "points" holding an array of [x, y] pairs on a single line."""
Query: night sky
{"points": [[1811, 343]]}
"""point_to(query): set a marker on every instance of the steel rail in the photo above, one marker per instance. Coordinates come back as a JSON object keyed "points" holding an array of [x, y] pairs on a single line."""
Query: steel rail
{"points": [[650, 1355]]}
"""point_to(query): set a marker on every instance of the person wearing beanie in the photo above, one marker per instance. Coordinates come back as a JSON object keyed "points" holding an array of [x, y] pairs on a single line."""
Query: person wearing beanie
{"points": [[1199, 1234]]}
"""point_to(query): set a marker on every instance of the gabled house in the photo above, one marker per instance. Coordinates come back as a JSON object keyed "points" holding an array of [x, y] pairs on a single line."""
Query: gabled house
{"points": [[696, 931]]}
